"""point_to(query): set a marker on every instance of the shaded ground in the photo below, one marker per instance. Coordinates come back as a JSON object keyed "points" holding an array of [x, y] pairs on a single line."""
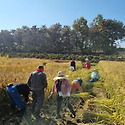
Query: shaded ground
{"points": [[84, 112], [48, 112]]}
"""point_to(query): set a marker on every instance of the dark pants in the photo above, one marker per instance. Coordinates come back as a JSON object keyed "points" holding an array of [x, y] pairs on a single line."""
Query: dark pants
{"points": [[59, 103], [23, 89], [38, 99]]}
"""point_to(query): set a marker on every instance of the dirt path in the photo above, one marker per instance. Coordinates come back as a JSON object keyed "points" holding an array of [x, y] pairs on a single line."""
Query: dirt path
{"points": [[48, 112]]}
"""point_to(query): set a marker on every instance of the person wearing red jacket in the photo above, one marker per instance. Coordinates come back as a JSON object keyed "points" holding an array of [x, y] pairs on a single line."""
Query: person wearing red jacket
{"points": [[87, 64]]}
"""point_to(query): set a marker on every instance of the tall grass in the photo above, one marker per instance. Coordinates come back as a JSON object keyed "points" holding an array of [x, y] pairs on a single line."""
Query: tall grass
{"points": [[17, 70], [113, 75]]}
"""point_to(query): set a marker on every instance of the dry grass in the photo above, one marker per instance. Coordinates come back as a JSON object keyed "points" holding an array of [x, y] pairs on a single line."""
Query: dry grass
{"points": [[17, 70]]}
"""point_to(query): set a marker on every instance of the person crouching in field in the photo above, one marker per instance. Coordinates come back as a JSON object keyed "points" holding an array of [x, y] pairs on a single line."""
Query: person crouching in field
{"points": [[94, 76], [63, 88], [23, 89], [14, 91], [76, 85]]}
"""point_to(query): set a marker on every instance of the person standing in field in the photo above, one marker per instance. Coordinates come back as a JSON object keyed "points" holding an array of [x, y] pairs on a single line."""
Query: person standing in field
{"points": [[76, 85], [62, 88], [87, 64], [73, 64], [38, 82]]}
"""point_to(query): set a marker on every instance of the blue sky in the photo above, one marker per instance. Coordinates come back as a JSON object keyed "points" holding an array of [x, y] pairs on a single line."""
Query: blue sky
{"points": [[17, 13]]}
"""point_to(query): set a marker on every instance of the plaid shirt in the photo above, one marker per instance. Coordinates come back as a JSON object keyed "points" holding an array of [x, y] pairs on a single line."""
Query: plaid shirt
{"points": [[65, 87]]}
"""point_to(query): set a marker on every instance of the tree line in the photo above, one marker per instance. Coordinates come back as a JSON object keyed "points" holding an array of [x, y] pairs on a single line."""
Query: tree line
{"points": [[101, 36]]}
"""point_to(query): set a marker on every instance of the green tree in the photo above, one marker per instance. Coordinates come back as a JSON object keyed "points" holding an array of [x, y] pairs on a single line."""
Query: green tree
{"points": [[6, 41], [81, 28], [113, 30], [66, 40], [55, 35], [104, 34], [44, 39]]}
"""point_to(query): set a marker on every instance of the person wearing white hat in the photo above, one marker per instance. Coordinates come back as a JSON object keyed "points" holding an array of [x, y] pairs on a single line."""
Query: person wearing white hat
{"points": [[87, 64], [63, 88]]}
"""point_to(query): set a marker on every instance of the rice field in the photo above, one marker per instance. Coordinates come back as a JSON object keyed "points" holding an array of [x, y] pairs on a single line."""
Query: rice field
{"points": [[17, 70]]}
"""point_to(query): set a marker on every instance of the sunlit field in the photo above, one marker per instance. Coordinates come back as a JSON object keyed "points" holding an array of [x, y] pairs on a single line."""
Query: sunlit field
{"points": [[113, 79], [112, 82], [17, 70]]}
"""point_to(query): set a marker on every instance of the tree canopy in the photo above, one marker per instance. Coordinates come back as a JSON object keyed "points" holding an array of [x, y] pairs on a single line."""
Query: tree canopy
{"points": [[101, 36]]}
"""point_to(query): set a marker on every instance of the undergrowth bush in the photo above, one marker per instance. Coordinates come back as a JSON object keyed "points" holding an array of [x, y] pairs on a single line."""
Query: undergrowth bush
{"points": [[92, 58]]}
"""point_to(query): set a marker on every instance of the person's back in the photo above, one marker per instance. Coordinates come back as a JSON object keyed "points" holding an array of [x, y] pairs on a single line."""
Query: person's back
{"points": [[76, 85], [63, 88], [15, 97], [73, 64], [94, 76], [23, 89], [78, 80], [37, 81]]}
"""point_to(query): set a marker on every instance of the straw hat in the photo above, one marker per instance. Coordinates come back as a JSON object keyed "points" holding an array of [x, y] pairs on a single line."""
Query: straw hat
{"points": [[60, 75], [86, 59]]}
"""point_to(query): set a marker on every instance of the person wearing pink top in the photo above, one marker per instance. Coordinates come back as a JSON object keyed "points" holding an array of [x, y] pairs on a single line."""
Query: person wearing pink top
{"points": [[62, 88]]}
